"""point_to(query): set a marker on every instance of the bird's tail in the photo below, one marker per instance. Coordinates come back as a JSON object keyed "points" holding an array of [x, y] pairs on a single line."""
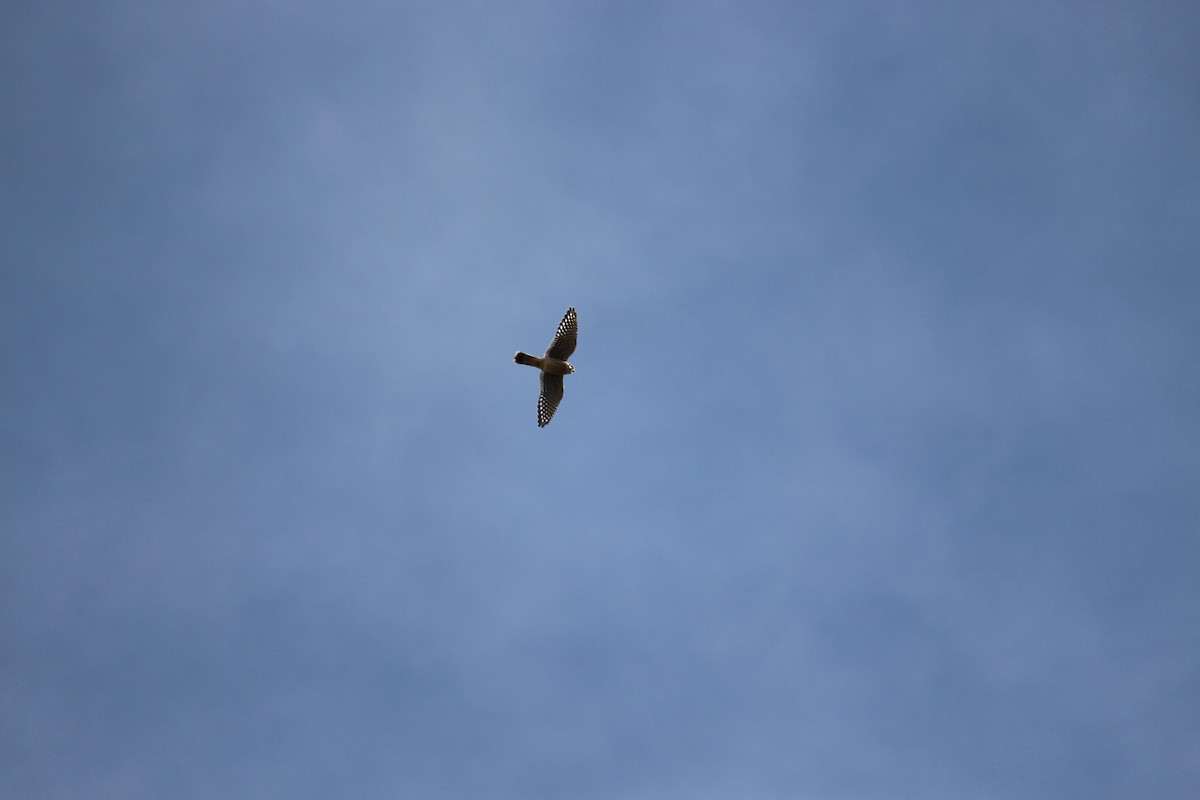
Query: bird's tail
{"points": [[525, 358]]}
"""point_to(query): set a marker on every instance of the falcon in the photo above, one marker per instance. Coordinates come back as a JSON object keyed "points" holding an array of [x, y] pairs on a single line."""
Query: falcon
{"points": [[553, 366]]}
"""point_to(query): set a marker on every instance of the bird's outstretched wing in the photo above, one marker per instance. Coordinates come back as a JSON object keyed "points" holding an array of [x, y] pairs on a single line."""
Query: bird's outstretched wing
{"points": [[552, 392], [564, 339]]}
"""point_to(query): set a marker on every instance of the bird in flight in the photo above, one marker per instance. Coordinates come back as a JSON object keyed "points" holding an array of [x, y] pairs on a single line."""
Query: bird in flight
{"points": [[553, 366]]}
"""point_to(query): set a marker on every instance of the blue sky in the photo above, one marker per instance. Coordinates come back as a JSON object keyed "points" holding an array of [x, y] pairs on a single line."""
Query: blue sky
{"points": [[877, 477]]}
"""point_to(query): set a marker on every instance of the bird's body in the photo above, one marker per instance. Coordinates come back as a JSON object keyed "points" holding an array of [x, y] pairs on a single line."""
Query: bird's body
{"points": [[554, 366]]}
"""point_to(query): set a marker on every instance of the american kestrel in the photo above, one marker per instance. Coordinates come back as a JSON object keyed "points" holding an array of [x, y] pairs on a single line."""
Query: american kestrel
{"points": [[553, 366]]}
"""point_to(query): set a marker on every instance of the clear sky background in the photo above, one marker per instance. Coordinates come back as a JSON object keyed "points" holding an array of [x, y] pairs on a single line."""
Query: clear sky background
{"points": [[879, 476]]}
